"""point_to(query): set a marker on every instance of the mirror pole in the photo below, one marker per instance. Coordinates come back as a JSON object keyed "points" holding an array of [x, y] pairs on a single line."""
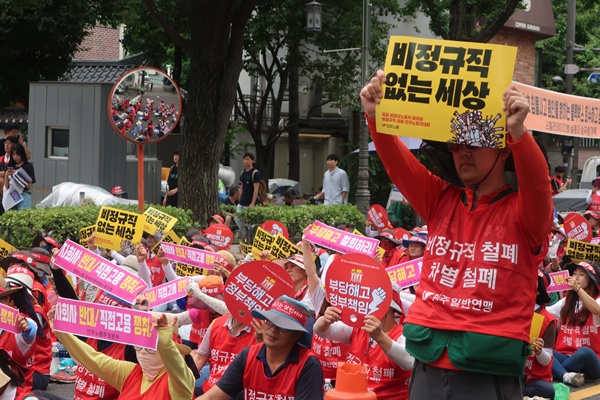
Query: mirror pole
{"points": [[140, 170]]}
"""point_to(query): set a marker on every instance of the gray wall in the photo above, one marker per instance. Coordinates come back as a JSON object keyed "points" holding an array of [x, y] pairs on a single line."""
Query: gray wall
{"points": [[97, 154]]}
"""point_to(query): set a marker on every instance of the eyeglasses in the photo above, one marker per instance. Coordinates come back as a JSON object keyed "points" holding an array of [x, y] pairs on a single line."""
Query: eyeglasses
{"points": [[149, 351], [271, 325], [453, 147]]}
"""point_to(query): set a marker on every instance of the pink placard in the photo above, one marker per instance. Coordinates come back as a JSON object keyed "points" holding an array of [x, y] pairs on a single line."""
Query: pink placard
{"points": [[98, 321], [559, 281], [8, 319], [190, 256], [167, 292], [406, 274], [340, 241], [99, 271]]}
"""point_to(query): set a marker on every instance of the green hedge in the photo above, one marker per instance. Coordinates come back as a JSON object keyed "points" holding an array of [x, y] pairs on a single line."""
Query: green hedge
{"points": [[20, 227], [296, 219]]}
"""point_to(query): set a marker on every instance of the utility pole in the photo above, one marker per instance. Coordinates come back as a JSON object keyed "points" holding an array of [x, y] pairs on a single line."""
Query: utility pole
{"points": [[570, 70], [363, 196]]}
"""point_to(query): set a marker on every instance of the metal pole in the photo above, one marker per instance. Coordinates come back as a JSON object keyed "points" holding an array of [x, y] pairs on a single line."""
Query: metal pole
{"points": [[363, 196], [573, 163]]}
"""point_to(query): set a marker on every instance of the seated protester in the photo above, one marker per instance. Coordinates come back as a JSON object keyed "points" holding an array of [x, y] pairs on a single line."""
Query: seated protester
{"points": [[160, 374], [14, 292], [225, 338], [378, 344], [87, 385], [288, 198], [157, 275], [393, 254], [415, 246], [280, 366], [577, 349], [538, 367], [329, 352], [294, 265], [594, 218], [11, 377]]}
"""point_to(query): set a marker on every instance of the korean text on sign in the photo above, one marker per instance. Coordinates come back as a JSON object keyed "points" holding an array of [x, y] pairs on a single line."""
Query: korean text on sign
{"points": [[558, 282], [583, 251], [254, 295], [99, 321], [340, 241], [6, 249], [283, 248], [406, 274], [171, 237], [167, 292], [263, 240], [446, 90], [114, 225], [8, 319], [158, 220], [85, 233], [190, 256], [97, 270]]}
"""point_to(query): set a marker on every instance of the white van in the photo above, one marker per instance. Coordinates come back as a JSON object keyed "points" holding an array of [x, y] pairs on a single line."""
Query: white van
{"points": [[591, 170]]}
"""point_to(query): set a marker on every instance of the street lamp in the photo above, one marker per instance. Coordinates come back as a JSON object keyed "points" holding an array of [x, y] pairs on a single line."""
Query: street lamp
{"points": [[313, 16]]}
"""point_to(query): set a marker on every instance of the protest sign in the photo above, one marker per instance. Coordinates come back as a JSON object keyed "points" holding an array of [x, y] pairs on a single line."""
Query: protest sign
{"points": [[8, 319], [97, 270], [446, 91], [359, 286], [99, 321], [245, 248], [254, 286], [536, 326], [262, 240], [167, 292], [114, 225], [577, 227], [6, 249], [558, 282], [406, 274], [85, 234], [219, 235], [158, 220], [283, 248], [580, 251], [274, 228], [378, 216], [340, 241], [380, 249], [190, 256]]}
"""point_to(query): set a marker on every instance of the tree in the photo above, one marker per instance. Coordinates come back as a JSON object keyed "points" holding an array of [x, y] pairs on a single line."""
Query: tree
{"points": [[214, 47], [278, 51], [465, 20], [39, 39]]}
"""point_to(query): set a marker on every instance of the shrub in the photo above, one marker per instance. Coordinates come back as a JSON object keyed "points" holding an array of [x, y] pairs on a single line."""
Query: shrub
{"points": [[20, 227], [296, 219]]}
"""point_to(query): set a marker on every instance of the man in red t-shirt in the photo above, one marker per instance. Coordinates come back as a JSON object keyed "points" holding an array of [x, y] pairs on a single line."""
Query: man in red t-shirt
{"points": [[557, 183]]}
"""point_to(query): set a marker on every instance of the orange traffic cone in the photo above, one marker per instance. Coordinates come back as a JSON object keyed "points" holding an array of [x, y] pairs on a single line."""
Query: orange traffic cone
{"points": [[350, 384]]}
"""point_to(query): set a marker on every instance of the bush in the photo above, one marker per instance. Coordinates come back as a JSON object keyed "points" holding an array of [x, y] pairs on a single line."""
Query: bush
{"points": [[296, 219], [20, 227]]}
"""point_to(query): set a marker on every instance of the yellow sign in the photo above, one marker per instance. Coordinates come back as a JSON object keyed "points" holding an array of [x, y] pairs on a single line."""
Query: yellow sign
{"points": [[85, 233], [263, 240], [171, 237], [245, 248], [580, 251], [283, 248], [536, 326], [6, 249], [446, 91], [114, 225], [158, 220]]}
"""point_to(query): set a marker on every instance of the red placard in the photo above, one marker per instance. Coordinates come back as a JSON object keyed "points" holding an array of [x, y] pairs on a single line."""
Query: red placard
{"points": [[378, 216], [577, 227], [401, 234], [358, 285], [254, 286], [274, 227], [220, 235]]}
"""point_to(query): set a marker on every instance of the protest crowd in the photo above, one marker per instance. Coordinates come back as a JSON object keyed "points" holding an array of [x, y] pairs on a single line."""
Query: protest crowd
{"points": [[494, 298]]}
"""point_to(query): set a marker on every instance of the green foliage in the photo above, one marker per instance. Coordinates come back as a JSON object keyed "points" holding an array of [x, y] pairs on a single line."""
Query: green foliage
{"points": [[20, 227], [234, 149], [296, 219], [39, 39]]}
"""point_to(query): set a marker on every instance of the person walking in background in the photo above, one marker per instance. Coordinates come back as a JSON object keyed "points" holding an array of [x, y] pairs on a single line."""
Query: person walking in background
{"points": [[335, 183], [249, 185], [172, 183]]}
